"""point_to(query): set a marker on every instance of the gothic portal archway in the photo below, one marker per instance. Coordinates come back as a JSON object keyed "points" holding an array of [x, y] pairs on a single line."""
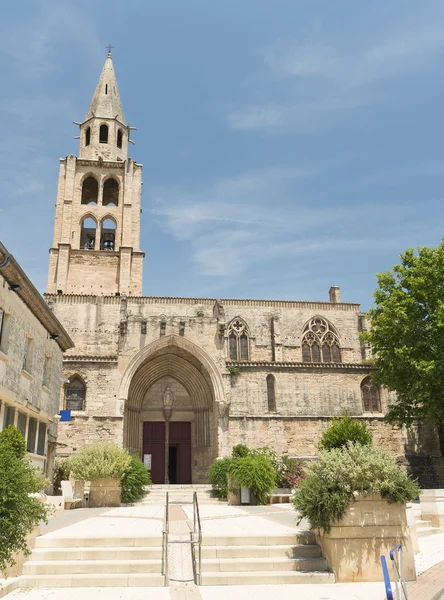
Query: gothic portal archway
{"points": [[170, 392]]}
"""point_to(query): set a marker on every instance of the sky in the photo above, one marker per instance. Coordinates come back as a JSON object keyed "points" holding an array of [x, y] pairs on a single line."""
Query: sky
{"points": [[288, 145]]}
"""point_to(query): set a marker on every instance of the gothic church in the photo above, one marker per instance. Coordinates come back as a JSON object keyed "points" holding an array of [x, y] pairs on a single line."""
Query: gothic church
{"points": [[179, 381]]}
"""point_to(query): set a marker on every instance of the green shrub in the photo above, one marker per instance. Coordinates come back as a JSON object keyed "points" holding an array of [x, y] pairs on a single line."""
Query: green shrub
{"points": [[331, 483], [240, 451], [13, 439], [62, 472], [343, 430], [292, 473], [134, 481], [95, 461], [255, 472], [19, 513], [218, 476]]}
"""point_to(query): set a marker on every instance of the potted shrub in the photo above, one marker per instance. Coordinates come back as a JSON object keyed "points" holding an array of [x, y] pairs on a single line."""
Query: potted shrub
{"points": [[254, 471], [134, 481], [355, 498], [217, 474], [103, 466]]}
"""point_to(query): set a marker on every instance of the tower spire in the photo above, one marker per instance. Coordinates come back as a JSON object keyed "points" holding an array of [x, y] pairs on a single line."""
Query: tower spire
{"points": [[106, 102]]}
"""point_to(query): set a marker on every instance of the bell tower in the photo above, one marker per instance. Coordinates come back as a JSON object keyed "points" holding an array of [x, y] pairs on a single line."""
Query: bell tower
{"points": [[95, 250]]}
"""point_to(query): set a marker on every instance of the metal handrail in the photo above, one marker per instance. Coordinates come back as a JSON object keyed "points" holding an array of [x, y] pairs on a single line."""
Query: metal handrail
{"points": [[197, 531], [398, 571], [165, 533]]}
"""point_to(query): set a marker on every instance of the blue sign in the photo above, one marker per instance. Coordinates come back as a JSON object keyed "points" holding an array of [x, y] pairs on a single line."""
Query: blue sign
{"points": [[65, 415]]}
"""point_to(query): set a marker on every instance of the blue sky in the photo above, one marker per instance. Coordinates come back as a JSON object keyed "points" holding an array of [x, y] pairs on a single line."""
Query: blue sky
{"points": [[287, 145]]}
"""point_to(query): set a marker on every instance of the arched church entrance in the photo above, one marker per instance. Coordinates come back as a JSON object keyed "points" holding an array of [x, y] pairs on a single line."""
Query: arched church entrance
{"points": [[170, 416]]}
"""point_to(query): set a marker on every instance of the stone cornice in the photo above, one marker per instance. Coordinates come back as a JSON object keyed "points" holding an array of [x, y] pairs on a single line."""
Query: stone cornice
{"points": [[280, 417], [315, 306], [25, 290], [269, 365], [73, 358]]}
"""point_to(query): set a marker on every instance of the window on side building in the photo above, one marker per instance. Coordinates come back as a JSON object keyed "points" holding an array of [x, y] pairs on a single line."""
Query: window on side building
{"points": [[41, 439], [32, 434], [9, 416], [22, 421]]}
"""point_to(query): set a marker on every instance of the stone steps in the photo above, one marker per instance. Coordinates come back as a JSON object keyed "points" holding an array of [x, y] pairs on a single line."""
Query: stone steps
{"points": [[95, 580], [48, 541], [424, 527], [178, 494], [266, 578], [275, 551], [270, 559], [261, 565], [90, 567], [96, 553]]}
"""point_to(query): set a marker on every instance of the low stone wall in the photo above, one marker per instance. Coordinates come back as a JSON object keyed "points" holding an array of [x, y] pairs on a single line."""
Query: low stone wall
{"points": [[432, 507], [371, 528], [20, 558]]}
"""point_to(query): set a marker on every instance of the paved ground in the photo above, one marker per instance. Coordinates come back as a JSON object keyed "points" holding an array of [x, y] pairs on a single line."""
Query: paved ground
{"points": [[221, 519]]}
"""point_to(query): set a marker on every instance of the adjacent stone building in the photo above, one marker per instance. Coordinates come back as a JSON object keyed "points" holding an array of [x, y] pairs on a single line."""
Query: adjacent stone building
{"points": [[179, 381], [32, 342]]}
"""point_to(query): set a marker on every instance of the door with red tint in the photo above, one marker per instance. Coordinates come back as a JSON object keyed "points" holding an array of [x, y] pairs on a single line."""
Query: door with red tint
{"points": [[154, 444]]}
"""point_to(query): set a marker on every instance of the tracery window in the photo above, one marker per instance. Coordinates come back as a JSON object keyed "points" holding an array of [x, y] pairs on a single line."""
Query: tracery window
{"points": [[238, 340], [320, 343], [75, 393], [371, 397], [271, 393]]}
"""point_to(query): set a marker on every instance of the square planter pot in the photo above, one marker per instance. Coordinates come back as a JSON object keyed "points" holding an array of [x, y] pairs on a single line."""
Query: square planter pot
{"points": [[104, 492], [370, 528]]}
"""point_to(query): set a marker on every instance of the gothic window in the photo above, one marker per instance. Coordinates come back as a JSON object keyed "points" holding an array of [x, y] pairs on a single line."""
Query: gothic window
{"points": [[371, 399], [88, 234], [271, 393], [238, 340], [108, 236], [110, 193], [88, 136], [103, 135], [75, 393], [320, 343], [119, 138], [90, 191]]}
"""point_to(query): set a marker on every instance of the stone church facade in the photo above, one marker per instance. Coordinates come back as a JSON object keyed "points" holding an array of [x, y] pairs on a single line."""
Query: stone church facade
{"points": [[182, 380]]}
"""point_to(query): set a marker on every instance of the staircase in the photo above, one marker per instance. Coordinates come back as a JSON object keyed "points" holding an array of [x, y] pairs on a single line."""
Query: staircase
{"points": [[179, 494], [265, 560], [424, 527], [90, 562]]}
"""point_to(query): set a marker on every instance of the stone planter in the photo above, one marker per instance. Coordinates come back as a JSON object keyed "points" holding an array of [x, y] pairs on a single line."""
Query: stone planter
{"points": [[234, 492], [370, 528], [432, 507], [104, 492]]}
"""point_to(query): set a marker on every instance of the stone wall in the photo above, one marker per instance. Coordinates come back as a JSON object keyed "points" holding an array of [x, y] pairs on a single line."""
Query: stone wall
{"points": [[31, 390]]}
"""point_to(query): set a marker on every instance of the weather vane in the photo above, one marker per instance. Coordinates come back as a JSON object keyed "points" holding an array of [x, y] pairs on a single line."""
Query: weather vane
{"points": [[109, 48]]}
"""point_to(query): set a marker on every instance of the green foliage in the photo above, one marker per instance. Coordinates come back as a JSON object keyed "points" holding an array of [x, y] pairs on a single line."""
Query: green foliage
{"points": [[19, 513], [406, 336], [62, 472], [240, 451], [42, 483], [95, 461], [218, 476], [234, 370], [12, 438], [343, 430], [331, 483], [292, 473], [255, 472], [134, 481]]}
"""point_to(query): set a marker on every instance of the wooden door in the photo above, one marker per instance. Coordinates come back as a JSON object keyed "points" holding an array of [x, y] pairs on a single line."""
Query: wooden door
{"points": [[154, 444]]}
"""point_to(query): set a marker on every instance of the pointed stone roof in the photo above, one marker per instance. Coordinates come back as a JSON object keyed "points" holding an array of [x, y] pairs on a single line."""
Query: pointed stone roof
{"points": [[106, 100]]}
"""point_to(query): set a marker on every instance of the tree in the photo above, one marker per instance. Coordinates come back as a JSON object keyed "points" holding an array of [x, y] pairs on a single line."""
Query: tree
{"points": [[344, 430], [19, 513], [406, 336]]}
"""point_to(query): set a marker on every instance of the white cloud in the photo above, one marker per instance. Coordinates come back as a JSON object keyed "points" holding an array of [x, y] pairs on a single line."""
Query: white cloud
{"points": [[335, 79], [259, 217]]}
